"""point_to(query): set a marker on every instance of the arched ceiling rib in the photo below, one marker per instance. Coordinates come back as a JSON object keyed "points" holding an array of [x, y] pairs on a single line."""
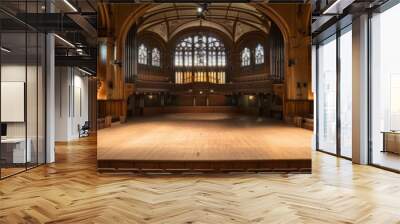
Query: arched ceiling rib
{"points": [[234, 19]]}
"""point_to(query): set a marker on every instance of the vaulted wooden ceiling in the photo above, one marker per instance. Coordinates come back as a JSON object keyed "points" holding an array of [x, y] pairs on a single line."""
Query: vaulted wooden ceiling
{"points": [[234, 19]]}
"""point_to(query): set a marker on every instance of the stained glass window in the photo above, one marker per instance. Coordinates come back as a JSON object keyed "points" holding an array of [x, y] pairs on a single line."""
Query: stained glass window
{"points": [[155, 57], [200, 51], [194, 53], [259, 54], [142, 56], [245, 56]]}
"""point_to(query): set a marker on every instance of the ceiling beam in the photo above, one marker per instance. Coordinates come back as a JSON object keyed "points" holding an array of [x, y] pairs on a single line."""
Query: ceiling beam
{"points": [[255, 14], [81, 61], [84, 24], [172, 18], [191, 17]]}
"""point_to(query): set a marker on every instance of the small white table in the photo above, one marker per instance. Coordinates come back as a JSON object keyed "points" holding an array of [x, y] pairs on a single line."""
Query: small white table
{"points": [[19, 154]]}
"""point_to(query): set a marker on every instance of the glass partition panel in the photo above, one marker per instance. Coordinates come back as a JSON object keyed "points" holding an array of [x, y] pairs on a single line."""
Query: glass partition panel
{"points": [[31, 98], [385, 89], [22, 89], [15, 149], [327, 96], [346, 93], [41, 158]]}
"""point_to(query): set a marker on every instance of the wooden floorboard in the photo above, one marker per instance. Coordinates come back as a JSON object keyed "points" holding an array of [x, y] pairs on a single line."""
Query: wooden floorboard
{"points": [[204, 141], [72, 191], [203, 137]]}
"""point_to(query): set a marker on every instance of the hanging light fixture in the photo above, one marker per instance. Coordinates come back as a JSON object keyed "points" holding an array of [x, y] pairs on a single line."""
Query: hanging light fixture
{"points": [[201, 10]]}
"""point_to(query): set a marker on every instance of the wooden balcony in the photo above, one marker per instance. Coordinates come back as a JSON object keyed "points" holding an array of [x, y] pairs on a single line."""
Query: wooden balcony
{"points": [[244, 87]]}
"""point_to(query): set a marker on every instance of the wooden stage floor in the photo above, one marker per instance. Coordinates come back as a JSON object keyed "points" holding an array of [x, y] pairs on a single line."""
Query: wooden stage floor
{"points": [[200, 141]]}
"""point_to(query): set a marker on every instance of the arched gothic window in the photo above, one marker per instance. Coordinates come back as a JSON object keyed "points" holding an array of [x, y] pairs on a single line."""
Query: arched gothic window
{"points": [[245, 56], [200, 58], [142, 55], [259, 54], [155, 57]]}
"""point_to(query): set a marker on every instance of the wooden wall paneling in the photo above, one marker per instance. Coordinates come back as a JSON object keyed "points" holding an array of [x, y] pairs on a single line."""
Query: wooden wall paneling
{"points": [[299, 107], [113, 108], [92, 107]]}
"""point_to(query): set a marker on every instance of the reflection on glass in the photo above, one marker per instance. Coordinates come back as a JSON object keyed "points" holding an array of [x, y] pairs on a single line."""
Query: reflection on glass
{"points": [[346, 94], [327, 96], [15, 149], [22, 93], [31, 100], [41, 99], [385, 84]]}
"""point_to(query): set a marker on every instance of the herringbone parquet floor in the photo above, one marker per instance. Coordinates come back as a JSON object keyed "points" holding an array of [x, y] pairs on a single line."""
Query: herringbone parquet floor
{"points": [[71, 191]]}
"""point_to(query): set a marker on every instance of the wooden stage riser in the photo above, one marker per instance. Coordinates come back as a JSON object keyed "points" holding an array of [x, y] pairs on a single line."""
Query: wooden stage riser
{"points": [[207, 166]]}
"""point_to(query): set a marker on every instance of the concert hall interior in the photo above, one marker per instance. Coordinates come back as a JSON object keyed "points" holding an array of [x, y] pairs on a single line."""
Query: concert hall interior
{"points": [[210, 86]]}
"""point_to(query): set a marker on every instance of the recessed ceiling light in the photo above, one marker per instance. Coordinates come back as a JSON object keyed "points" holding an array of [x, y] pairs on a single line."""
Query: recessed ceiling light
{"points": [[199, 9]]}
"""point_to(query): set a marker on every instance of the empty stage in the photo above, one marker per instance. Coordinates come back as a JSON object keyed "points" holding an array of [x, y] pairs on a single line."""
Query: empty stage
{"points": [[204, 142]]}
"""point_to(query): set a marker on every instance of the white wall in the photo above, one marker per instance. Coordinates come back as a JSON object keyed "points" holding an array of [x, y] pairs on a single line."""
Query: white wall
{"points": [[71, 102], [14, 73], [61, 103], [34, 125], [17, 73]]}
